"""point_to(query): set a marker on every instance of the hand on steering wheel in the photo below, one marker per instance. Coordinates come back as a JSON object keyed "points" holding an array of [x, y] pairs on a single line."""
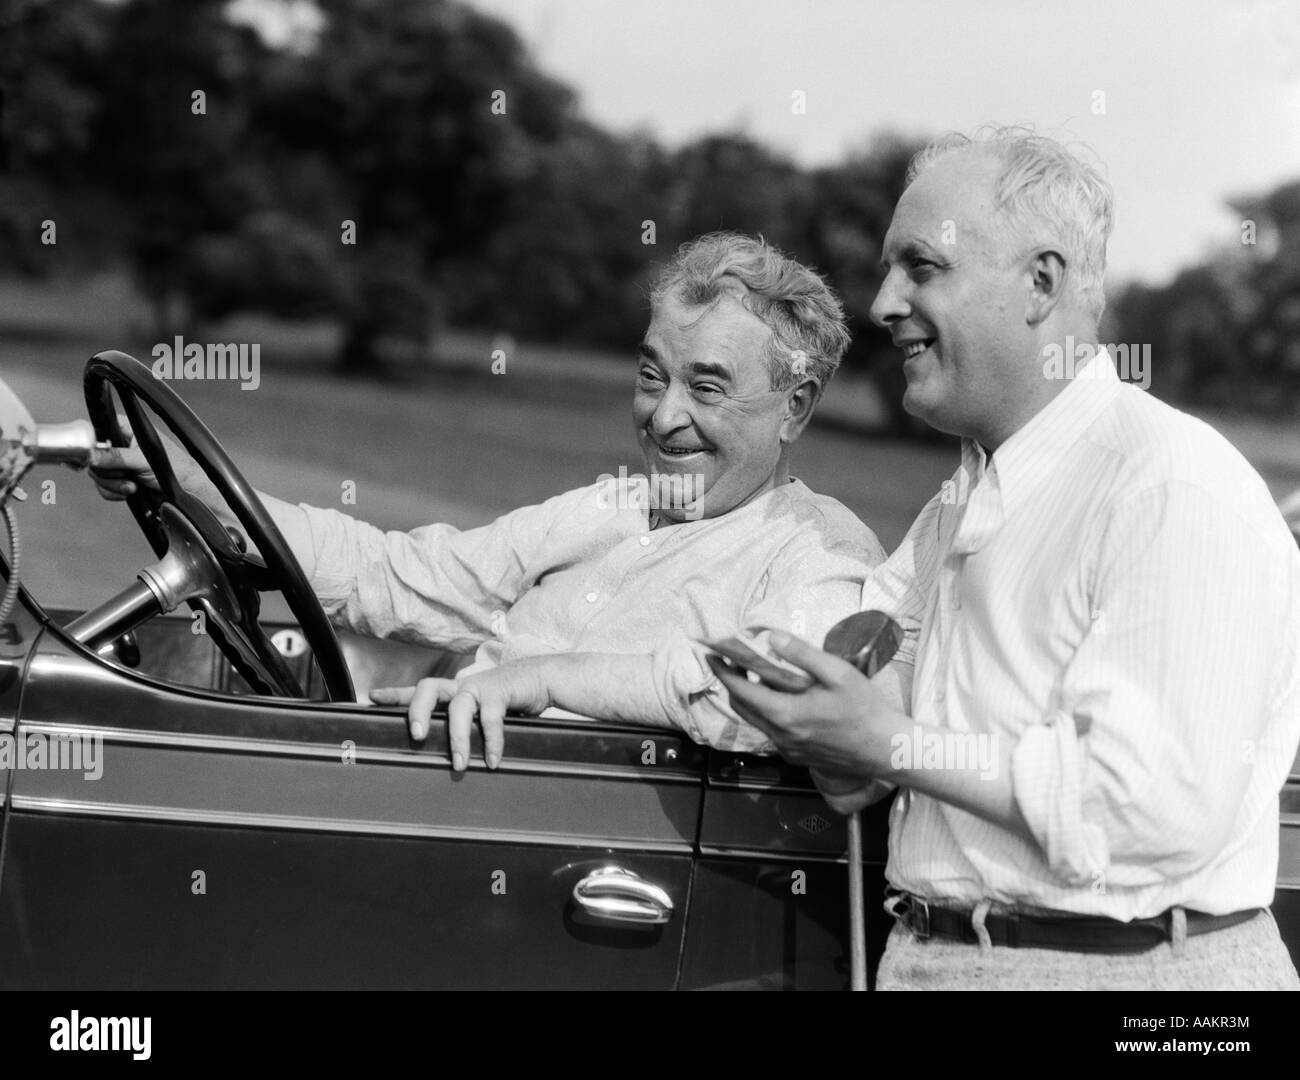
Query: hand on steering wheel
{"points": [[206, 563]]}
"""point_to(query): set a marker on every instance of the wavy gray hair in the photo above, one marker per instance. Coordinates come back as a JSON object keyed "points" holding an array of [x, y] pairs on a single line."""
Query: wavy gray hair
{"points": [[802, 311], [1048, 194]]}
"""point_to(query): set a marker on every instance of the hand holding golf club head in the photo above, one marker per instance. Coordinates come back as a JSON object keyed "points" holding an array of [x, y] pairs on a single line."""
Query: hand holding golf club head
{"points": [[866, 639]]}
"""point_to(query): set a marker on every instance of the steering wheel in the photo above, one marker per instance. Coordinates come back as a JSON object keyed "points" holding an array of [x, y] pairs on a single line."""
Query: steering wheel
{"points": [[209, 564]]}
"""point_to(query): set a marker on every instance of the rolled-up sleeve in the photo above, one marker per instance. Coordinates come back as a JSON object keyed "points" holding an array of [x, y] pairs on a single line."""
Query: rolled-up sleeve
{"points": [[813, 583], [691, 698], [1169, 704]]}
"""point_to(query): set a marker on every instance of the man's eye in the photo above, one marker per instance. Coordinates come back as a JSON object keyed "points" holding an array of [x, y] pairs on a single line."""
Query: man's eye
{"points": [[922, 268], [706, 390], [648, 377]]}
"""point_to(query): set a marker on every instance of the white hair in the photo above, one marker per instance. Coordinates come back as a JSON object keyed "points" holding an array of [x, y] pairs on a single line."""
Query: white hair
{"points": [[800, 309], [1049, 194]]}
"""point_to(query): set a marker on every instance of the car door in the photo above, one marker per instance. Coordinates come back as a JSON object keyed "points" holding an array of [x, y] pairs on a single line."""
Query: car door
{"points": [[769, 897], [254, 842]]}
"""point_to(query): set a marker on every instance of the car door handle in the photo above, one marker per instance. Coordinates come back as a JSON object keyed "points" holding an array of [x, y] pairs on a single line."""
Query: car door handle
{"points": [[614, 892]]}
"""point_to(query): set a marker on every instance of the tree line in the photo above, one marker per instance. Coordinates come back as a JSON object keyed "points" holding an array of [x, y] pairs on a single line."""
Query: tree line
{"points": [[409, 166]]}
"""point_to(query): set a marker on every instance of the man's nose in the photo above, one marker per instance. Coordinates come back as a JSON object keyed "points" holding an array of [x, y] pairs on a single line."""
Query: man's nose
{"points": [[673, 412], [890, 303]]}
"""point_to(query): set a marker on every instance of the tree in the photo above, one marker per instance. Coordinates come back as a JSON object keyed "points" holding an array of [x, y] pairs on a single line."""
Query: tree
{"points": [[854, 203], [571, 252], [176, 86], [49, 104], [1227, 332], [429, 114]]}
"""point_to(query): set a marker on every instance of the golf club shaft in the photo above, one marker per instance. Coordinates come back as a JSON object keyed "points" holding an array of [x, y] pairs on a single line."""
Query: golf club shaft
{"points": [[857, 907]]}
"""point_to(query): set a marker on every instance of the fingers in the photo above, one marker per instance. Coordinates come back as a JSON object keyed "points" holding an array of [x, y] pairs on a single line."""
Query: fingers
{"points": [[427, 696], [491, 717], [392, 695], [113, 488], [753, 702], [826, 669], [420, 701], [460, 723], [743, 655], [464, 704], [118, 459], [490, 707], [115, 491], [118, 472]]}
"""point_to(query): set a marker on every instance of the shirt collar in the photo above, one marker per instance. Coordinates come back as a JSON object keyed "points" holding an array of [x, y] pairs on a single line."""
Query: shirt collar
{"points": [[793, 487], [1034, 452]]}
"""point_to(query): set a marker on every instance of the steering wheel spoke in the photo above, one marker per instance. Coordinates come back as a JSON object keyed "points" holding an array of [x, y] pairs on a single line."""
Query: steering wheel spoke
{"points": [[248, 650]]}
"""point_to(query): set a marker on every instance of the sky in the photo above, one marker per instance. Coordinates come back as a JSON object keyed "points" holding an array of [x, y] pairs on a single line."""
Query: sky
{"points": [[1186, 102]]}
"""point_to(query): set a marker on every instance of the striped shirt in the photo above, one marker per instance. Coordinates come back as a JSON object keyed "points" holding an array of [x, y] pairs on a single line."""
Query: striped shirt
{"points": [[584, 572], [1115, 592]]}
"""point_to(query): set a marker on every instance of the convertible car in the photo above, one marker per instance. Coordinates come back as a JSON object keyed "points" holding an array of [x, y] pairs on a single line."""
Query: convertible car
{"points": [[189, 809]]}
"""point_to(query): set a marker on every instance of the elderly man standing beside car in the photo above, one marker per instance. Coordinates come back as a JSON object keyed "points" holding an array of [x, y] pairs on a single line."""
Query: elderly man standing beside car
{"points": [[595, 601], [1103, 597]]}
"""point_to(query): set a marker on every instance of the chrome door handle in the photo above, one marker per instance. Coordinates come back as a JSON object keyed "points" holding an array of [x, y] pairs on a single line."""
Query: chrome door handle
{"points": [[613, 892]]}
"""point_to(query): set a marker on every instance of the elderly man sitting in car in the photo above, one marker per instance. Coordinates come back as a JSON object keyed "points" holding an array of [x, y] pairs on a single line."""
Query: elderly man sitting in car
{"points": [[595, 601]]}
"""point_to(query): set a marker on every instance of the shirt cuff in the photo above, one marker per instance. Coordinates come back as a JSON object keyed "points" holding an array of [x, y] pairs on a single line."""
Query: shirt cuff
{"points": [[329, 555], [1047, 769], [295, 526], [696, 701]]}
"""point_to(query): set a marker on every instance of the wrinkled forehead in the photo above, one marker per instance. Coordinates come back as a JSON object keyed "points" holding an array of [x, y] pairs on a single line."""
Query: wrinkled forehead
{"points": [[949, 207]]}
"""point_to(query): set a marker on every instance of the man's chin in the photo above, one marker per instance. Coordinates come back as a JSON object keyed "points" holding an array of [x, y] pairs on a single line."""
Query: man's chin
{"points": [[928, 409], [933, 414], [678, 495], [917, 403]]}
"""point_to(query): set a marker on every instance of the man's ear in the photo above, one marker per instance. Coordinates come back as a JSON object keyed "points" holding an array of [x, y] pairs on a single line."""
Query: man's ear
{"points": [[799, 408], [1047, 272]]}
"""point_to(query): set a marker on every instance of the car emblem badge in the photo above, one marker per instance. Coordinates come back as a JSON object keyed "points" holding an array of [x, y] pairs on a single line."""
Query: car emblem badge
{"points": [[814, 824]]}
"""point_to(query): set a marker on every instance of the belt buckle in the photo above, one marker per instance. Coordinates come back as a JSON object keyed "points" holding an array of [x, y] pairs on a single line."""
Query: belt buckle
{"points": [[912, 911]]}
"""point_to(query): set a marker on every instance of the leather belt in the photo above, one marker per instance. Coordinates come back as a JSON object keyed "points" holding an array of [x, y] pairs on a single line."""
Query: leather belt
{"points": [[1072, 933]]}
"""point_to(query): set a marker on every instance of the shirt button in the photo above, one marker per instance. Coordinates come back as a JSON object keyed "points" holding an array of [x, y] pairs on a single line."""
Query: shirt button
{"points": [[591, 597], [645, 541]]}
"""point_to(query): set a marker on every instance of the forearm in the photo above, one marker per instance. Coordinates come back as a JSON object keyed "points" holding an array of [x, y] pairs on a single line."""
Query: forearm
{"points": [[612, 686], [289, 519], [294, 526]]}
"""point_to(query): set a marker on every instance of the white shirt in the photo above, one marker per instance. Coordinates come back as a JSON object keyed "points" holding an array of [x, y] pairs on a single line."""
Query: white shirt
{"points": [[583, 572], [1115, 592]]}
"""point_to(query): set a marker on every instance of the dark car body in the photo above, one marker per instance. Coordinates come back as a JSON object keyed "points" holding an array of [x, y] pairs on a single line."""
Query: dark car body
{"points": [[243, 841]]}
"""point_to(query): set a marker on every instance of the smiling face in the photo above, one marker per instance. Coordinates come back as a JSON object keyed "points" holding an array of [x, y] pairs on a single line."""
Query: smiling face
{"points": [[954, 299], [706, 417]]}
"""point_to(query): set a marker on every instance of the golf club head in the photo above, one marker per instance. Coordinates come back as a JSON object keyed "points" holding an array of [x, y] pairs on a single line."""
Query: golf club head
{"points": [[866, 639]]}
